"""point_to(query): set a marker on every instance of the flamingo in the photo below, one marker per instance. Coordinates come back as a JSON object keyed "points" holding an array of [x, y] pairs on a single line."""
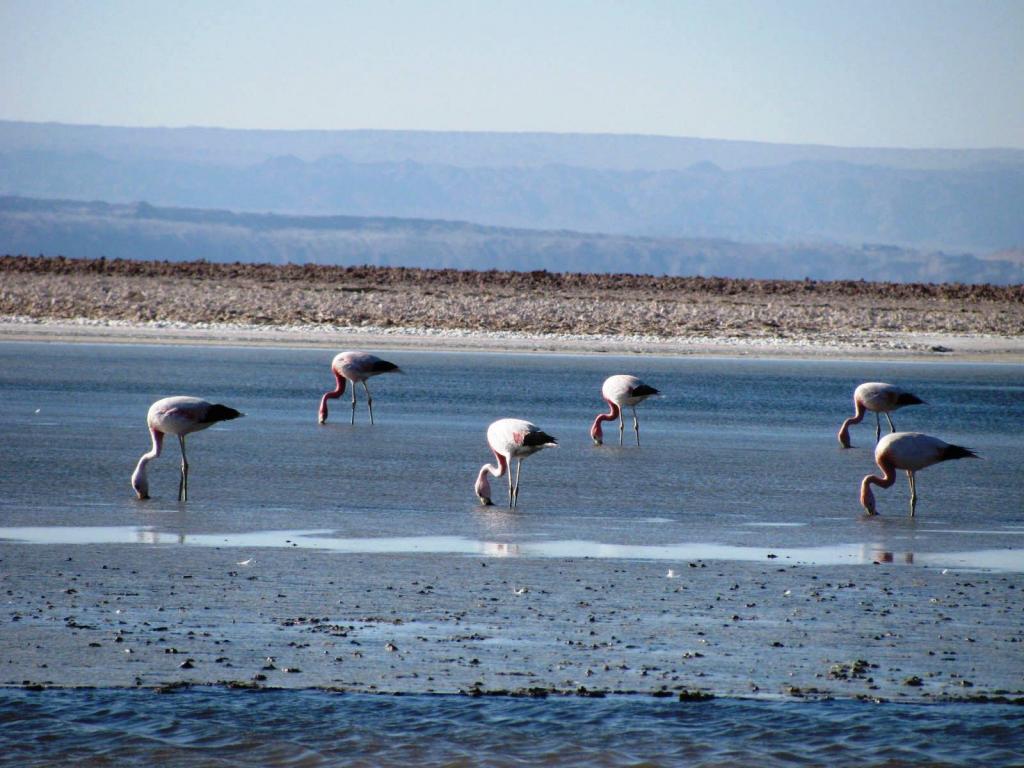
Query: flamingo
{"points": [[880, 398], [355, 367], [618, 391], [909, 451], [510, 439], [179, 415]]}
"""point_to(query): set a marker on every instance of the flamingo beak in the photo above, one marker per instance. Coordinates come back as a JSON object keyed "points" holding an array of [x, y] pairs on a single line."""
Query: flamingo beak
{"points": [[597, 441], [485, 501]]}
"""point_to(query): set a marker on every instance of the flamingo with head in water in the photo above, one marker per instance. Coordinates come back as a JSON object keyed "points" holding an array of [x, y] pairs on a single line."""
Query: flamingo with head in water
{"points": [[510, 439], [180, 415], [355, 367], [880, 398], [620, 391], [909, 451]]}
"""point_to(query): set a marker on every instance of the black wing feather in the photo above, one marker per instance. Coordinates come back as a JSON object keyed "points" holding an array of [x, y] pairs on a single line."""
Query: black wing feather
{"points": [[220, 412], [643, 390], [958, 452], [538, 438]]}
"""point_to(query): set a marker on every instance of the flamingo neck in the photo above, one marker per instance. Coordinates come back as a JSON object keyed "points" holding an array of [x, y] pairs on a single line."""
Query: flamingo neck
{"points": [[858, 416], [140, 482], [338, 391], [595, 431], [867, 498], [483, 485]]}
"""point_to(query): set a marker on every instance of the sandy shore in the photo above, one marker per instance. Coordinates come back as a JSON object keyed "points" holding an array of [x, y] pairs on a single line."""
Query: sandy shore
{"points": [[154, 302], [77, 616]]}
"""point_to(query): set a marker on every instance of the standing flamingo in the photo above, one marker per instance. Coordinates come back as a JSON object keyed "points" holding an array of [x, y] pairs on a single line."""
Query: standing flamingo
{"points": [[618, 391], [179, 415], [880, 398], [909, 451], [510, 439], [355, 367]]}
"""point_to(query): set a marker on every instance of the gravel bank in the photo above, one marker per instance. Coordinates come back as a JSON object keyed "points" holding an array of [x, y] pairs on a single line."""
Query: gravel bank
{"points": [[640, 313]]}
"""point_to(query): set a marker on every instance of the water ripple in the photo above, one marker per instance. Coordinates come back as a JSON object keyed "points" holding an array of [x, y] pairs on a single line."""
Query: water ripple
{"points": [[314, 728]]}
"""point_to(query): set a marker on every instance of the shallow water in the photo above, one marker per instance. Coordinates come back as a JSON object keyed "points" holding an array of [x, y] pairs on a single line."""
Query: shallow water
{"points": [[739, 464], [310, 728], [737, 452], [1006, 559]]}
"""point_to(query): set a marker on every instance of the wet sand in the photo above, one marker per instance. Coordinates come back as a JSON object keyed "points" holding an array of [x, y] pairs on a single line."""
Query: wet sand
{"points": [[91, 615], [154, 302]]}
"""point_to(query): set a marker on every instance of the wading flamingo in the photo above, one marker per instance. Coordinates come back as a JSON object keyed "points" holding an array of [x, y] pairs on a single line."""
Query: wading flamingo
{"points": [[179, 415], [880, 398], [510, 439], [355, 367], [909, 451], [619, 391]]}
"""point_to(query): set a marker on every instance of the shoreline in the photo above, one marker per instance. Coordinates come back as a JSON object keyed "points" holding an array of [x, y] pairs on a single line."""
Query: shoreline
{"points": [[58, 299], [692, 694], [918, 347]]}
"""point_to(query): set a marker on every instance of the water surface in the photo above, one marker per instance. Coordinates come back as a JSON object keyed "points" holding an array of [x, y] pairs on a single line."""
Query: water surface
{"points": [[595, 580], [309, 728], [739, 453]]}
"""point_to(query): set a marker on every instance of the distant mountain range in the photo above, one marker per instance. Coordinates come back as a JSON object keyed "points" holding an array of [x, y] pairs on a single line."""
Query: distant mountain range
{"points": [[759, 198], [142, 231]]}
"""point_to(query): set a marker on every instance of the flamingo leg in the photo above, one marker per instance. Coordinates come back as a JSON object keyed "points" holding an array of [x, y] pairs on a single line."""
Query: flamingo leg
{"points": [[622, 428], [183, 483], [878, 426], [892, 427], [511, 493], [636, 427], [913, 492], [369, 401], [354, 403], [519, 471]]}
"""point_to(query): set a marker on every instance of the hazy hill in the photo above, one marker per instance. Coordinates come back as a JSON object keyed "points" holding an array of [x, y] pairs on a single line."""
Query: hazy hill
{"points": [[221, 146], [959, 200], [146, 232]]}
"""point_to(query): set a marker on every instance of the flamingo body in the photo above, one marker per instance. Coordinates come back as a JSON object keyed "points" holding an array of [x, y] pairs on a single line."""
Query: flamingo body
{"points": [[179, 415], [911, 452], [356, 367], [877, 397], [510, 439], [620, 391]]}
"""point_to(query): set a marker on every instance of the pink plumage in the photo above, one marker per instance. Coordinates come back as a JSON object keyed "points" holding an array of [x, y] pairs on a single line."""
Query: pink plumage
{"points": [[620, 391], [510, 439], [878, 397], [356, 367], [179, 415], [909, 451]]}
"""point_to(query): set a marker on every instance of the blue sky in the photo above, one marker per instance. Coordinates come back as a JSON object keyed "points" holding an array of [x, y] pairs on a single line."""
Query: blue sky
{"points": [[911, 73]]}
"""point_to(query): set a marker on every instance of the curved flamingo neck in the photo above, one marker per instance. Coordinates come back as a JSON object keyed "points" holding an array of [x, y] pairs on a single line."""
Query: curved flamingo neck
{"points": [[858, 416], [595, 429], [338, 391], [887, 479], [483, 485], [496, 471], [139, 480]]}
